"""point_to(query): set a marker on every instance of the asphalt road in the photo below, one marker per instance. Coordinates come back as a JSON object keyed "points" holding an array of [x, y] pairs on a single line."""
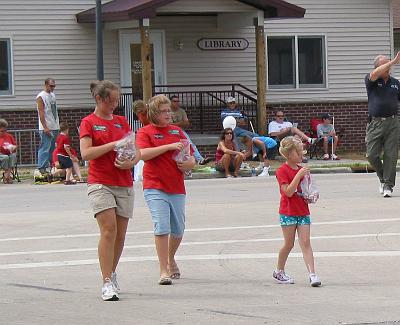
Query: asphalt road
{"points": [[49, 272]]}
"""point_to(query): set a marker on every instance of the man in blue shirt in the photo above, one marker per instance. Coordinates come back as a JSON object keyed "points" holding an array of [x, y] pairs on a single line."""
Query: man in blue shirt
{"points": [[383, 129]]}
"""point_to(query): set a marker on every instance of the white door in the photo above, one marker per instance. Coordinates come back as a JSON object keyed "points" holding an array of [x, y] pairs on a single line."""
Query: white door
{"points": [[131, 63]]}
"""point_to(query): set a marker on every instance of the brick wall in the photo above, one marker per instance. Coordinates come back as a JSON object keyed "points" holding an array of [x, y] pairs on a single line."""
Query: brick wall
{"points": [[350, 117]]}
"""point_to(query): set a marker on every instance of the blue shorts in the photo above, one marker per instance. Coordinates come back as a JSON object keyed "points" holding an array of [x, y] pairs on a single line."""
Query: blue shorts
{"points": [[294, 221], [330, 139], [167, 212], [65, 162]]}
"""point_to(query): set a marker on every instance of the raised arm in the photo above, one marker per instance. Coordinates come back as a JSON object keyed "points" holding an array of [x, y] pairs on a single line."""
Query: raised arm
{"points": [[380, 70]]}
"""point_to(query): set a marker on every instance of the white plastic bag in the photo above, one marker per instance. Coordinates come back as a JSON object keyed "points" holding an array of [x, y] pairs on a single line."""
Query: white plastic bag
{"points": [[125, 147], [138, 171], [309, 190], [184, 154]]}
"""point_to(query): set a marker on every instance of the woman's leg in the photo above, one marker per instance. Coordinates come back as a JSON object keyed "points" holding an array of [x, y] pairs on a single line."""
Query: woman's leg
{"points": [[303, 232], [162, 253], [225, 162], [237, 162], [108, 231], [122, 225], [289, 233]]}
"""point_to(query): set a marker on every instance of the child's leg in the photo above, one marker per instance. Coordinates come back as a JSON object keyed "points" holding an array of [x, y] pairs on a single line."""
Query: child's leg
{"points": [[68, 174], [289, 233], [77, 170], [303, 232]]}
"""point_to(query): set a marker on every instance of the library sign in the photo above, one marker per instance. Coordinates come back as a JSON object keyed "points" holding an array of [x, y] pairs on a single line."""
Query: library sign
{"points": [[222, 44]]}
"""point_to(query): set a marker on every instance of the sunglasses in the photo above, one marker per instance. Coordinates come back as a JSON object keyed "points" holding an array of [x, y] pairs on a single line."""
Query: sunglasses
{"points": [[228, 133], [52, 86]]}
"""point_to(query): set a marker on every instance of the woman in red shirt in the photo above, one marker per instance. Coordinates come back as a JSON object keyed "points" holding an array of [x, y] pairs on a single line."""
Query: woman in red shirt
{"points": [[163, 183], [110, 184], [293, 210], [8, 157]]}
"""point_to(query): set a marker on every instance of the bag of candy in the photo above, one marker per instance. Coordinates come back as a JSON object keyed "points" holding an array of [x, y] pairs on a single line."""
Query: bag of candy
{"points": [[309, 190], [125, 147]]}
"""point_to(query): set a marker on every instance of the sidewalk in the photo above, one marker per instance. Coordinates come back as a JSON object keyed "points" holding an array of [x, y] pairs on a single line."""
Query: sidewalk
{"points": [[346, 165]]}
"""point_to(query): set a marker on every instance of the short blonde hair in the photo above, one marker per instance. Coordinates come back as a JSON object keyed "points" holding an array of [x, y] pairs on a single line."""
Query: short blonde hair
{"points": [[154, 105], [3, 123], [139, 106], [288, 144]]}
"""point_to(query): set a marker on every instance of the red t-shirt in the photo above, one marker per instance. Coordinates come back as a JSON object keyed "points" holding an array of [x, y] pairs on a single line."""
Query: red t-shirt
{"points": [[295, 205], [62, 141], [102, 169], [161, 172], [5, 140]]}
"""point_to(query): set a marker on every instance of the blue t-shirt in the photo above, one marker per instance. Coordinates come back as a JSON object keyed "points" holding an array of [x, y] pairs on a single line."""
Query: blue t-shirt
{"points": [[269, 143]]}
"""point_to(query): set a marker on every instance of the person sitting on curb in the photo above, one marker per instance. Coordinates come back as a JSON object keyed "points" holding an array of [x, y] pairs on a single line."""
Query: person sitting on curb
{"points": [[326, 131], [179, 118], [266, 146], [227, 158], [281, 129], [66, 158]]}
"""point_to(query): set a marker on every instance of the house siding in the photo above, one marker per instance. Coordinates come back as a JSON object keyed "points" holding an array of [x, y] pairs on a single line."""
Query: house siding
{"points": [[352, 44], [48, 42]]}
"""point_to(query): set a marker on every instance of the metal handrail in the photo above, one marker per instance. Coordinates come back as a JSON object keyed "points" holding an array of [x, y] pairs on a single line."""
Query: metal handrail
{"points": [[27, 150]]}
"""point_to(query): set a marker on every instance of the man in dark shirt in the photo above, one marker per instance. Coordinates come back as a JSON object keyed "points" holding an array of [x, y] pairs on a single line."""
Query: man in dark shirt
{"points": [[383, 129]]}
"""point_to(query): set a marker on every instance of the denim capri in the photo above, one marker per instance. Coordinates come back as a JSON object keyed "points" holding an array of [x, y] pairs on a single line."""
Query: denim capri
{"points": [[167, 212]]}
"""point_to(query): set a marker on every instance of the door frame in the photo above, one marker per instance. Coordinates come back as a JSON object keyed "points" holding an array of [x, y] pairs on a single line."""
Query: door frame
{"points": [[163, 58]]}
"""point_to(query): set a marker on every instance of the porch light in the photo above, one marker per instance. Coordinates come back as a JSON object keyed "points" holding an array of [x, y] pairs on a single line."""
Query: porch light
{"points": [[178, 44]]}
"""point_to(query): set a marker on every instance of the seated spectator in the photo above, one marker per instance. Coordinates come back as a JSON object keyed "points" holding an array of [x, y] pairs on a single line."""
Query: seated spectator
{"points": [[8, 156], [281, 128], [179, 118], [266, 146], [227, 158], [66, 156], [56, 170], [326, 131], [139, 107], [232, 110]]}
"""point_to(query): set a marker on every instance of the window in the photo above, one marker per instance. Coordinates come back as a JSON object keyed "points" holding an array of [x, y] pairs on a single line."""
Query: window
{"points": [[5, 67], [296, 62]]}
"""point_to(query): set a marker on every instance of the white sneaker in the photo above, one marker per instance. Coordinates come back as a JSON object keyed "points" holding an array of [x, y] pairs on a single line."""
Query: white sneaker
{"points": [[281, 277], [387, 191], [314, 280], [265, 172], [108, 292], [381, 186], [115, 282]]}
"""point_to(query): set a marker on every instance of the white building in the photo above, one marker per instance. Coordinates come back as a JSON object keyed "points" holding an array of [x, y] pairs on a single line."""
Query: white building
{"points": [[316, 63]]}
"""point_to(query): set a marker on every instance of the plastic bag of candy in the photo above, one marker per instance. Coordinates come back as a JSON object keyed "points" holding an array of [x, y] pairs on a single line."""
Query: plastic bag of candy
{"points": [[309, 190], [125, 147], [184, 153]]}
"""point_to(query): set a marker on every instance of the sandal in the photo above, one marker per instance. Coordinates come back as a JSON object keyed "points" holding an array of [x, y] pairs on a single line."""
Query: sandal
{"points": [[165, 281], [69, 183], [81, 181], [174, 272]]}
